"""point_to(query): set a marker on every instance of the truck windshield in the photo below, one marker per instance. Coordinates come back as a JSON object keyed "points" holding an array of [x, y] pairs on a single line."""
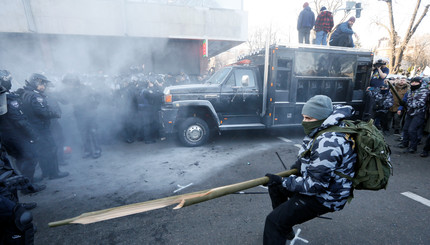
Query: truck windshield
{"points": [[219, 76]]}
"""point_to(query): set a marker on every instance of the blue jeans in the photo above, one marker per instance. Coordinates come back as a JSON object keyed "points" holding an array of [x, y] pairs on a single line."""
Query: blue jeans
{"points": [[321, 38], [304, 34]]}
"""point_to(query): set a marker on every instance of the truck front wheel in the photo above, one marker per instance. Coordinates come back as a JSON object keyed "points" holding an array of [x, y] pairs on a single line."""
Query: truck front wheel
{"points": [[193, 131]]}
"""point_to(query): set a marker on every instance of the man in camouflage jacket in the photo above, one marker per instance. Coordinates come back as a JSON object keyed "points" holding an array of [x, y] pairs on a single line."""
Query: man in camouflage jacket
{"points": [[383, 100], [318, 189], [415, 114]]}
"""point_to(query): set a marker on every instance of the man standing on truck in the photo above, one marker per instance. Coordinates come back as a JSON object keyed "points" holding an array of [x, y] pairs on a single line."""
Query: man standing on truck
{"points": [[318, 189], [305, 23], [323, 25]]}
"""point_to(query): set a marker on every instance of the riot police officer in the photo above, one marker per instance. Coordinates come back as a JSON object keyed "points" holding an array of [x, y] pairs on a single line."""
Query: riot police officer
{"points": [[129, 108], [16, 222], [147, 101], [18, 136], [40, 114], [85, 105]]}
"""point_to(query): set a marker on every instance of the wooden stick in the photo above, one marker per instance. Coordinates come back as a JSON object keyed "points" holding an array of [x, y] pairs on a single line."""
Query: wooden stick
{"points": [[182, 201]]}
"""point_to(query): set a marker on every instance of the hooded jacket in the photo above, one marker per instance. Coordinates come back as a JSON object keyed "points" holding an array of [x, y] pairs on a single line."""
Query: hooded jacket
{"points": [[331, 151], [342, 36], [306, 19]]}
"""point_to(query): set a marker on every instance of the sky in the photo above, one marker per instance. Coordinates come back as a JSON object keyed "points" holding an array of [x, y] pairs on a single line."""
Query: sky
{"points": [[283, 14]]}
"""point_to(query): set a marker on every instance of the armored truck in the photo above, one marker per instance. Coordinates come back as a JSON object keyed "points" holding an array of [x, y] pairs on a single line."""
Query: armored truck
{"points": [[264, 90]]}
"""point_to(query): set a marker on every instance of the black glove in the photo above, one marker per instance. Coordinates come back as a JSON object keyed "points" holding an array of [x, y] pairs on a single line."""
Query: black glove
{"points": [[17, 182], [297, 165], [274, 180]]}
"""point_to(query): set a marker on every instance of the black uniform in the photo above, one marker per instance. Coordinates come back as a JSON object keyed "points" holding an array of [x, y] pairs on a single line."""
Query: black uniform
{"points": [[39, 114], [16, 225], [18, 136], [56, 128], [145, 113], [129, 108], [85, 105], [148, 102]]}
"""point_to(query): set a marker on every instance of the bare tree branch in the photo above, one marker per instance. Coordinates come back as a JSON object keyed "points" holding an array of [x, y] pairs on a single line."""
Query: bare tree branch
{"points": [[396, 55]]}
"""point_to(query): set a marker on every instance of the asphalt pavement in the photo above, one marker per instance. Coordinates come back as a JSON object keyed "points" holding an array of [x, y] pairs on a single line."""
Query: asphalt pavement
{"points": [[391, 216]]}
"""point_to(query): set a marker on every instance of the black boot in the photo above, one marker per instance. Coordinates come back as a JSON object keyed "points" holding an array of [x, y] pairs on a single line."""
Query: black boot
{"points": [[59, 175], [33, 188]]}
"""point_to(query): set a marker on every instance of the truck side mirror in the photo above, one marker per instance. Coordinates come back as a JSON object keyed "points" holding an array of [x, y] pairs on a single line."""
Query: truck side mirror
{"points": [[245, 81]]}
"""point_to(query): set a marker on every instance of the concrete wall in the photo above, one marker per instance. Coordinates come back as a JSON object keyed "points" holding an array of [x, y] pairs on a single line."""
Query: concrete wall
{"points": [[110, 35], [13, 18], [121, 18]]}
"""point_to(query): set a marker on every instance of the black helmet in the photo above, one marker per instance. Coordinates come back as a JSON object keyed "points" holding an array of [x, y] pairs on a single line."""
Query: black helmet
{"points": [[71, 79], [6, 79], [417, 79], [37, 79]]}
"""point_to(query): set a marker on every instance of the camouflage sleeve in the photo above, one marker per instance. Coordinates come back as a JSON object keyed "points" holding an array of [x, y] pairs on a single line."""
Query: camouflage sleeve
{"points": [[370, 93], [417, 101], [318, 170], [389, 101]]}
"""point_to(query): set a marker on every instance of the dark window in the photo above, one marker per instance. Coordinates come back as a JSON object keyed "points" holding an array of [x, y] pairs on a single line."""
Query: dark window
{"points": [[323, 64], [282, 63], [283, 80], [337, 90], [359, 84]]}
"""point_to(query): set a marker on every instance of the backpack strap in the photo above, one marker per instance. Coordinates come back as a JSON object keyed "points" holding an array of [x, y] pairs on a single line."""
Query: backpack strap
{"points": [[345, 130]]}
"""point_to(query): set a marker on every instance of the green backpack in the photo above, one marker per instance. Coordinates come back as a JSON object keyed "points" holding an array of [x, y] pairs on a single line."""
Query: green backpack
{"points": [[373, 167]]}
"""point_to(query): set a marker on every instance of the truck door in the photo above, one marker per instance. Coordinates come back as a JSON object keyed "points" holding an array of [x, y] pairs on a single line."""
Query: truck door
{"points": [[283, 109], [241, 95]]}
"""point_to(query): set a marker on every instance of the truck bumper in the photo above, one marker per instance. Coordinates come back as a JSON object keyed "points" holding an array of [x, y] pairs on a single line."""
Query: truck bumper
{"points": [[167, 119]]}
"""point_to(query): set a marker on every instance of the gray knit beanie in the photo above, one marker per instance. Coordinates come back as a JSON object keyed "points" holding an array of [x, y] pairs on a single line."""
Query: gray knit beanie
{"points": [[319, 107]]}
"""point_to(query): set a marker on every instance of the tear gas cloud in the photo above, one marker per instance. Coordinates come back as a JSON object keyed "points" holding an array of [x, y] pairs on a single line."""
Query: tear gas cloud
{"points": [[102, 64]]}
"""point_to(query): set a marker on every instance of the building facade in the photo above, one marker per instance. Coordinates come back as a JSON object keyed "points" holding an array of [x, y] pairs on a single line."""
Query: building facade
{"points": [[111, 35]]}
